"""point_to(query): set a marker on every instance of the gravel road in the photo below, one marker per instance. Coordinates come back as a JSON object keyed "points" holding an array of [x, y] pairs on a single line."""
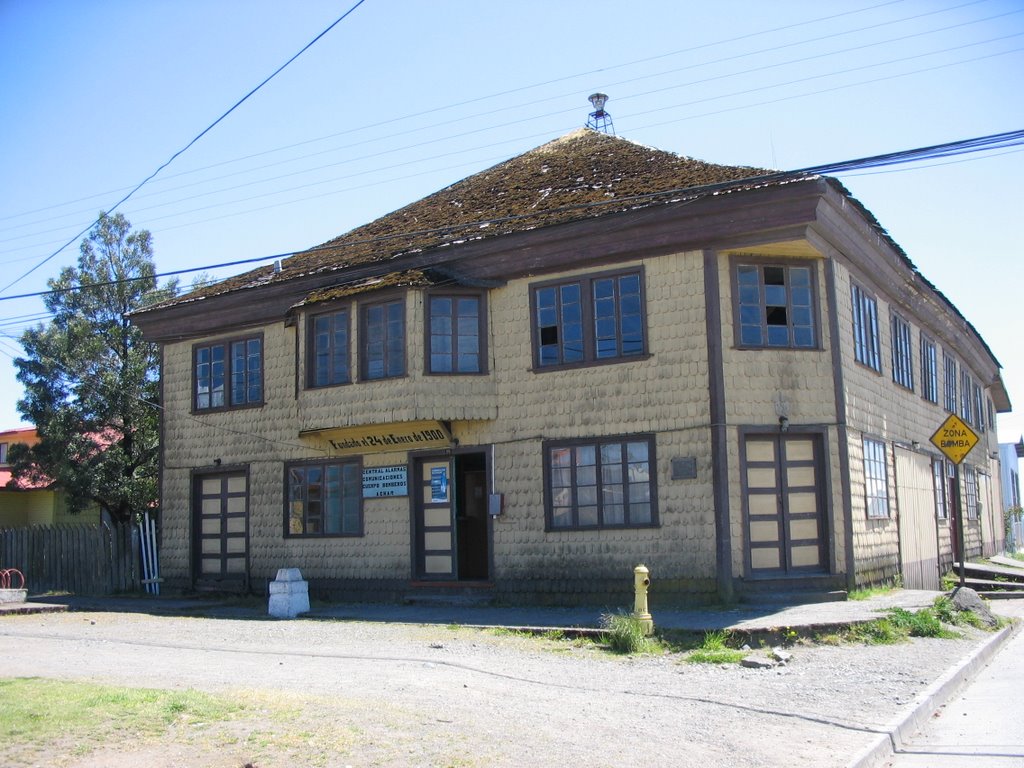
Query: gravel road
{"points": [[435, 695]]}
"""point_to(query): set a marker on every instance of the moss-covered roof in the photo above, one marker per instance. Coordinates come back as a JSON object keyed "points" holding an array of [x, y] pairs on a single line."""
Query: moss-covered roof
{"points": [[584, 174]]}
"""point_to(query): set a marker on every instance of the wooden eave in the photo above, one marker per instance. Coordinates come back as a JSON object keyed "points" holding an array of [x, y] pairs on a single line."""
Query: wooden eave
{"points": [[741, 218], [1000, 396], [879, 264]]}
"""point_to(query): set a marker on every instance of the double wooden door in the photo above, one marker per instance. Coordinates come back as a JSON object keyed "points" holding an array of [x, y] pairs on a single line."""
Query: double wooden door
{"points": [[784, 504]]}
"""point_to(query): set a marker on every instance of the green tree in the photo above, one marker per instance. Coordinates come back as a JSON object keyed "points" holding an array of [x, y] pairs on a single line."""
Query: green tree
{"points": [[91, 381]]}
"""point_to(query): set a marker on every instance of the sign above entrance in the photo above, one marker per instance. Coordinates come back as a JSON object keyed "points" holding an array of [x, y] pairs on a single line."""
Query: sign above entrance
{"points": [[954, 438], [380, 438]]}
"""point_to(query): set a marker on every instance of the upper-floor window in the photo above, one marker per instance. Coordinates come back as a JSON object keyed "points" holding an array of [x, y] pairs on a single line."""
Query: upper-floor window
{"points": [[865, 329], [329, 345], [3, 453], [324, 499], [929, 370], [876, 478], [949, 379], [601, 483], [966, 396], [776, 306], [588, 319], [383, 339], [228, 374], [979, 408], [455, 334], [902, 354]]}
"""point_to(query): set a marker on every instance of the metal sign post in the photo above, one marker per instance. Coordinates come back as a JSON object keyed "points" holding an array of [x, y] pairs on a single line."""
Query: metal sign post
{"points": [[955, 439]]}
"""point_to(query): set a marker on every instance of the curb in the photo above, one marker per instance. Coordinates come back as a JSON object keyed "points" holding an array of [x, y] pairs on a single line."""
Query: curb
{"points": [[886, 743]]}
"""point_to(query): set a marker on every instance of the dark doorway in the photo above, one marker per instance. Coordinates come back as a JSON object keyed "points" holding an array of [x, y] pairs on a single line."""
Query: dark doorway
{"points": [[471, 516]]}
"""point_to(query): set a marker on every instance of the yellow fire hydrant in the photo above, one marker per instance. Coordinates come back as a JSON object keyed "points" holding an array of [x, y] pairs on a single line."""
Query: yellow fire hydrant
{"points": [[641, 581]]}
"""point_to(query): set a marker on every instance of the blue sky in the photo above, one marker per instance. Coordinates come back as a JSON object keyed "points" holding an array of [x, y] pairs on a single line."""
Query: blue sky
{"points": [[407, 96]]}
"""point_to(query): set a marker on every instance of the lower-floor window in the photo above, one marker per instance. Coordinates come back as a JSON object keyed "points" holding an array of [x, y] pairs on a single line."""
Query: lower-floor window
{"points": [[876, 478], [942, 471], [324, 499], [970, 482], [606, 483]]}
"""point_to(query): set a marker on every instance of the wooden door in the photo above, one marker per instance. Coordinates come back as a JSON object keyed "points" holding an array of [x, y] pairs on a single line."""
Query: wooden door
{"points": [[435, 550], [784, 504], [221, 525]]}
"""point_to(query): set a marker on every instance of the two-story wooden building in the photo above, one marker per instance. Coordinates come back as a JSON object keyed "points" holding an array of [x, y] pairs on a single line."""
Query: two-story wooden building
{"points": [[593, 355]]}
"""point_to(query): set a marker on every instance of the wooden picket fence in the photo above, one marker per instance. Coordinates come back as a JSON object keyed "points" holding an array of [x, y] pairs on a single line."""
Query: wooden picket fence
{"points": [[80, 559]]}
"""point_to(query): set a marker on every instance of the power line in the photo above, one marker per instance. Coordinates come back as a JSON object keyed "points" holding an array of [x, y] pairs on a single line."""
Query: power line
{"points": [[200, 135], [420, 128], [419, 114], [528, 119], [990, 142]]}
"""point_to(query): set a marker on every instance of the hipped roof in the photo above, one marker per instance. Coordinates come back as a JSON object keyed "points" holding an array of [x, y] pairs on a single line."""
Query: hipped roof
{"points": [[584, 174]]}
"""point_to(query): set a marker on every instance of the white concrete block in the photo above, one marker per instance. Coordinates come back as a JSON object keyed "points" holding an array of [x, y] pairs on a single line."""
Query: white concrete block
{"points": [[289, 594]]}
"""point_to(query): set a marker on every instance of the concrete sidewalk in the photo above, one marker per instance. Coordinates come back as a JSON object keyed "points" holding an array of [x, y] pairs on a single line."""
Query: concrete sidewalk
{"points": [[744, 617]]}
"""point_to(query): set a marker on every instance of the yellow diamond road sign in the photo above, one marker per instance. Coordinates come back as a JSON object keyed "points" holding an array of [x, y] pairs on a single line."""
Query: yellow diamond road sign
{"points": [[954, 438]]}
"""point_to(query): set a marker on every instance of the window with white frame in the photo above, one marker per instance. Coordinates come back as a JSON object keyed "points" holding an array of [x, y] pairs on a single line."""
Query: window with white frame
{"points": [[876, 478], [979, 408], [966, 396], [866, 348], [929, 370], [902, 354], [941, 473], [949, 380], [969, 475]]}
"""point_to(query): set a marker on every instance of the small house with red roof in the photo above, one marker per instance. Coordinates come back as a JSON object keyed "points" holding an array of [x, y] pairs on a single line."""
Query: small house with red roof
{"points": [[25, 502]]}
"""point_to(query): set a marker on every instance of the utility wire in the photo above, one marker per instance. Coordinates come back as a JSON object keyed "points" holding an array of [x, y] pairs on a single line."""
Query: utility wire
{"points": [[420, 128], [990, 142], [519, 89], [189, 145], [460, 151]]}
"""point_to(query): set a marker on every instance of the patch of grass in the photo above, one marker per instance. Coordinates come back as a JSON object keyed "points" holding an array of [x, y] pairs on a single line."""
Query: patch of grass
{"points": [[625, 634], [879, 589], [877, 632], [715, 650], [922, 623], [39, 711]]}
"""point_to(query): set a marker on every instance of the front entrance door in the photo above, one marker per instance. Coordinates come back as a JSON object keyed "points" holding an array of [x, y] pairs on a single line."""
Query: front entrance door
{"points": [[451, 522], [784, 505], [220, 559]]}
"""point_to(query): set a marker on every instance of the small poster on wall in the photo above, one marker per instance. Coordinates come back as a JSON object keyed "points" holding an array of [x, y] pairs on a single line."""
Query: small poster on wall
{"points": [[438, 484]]}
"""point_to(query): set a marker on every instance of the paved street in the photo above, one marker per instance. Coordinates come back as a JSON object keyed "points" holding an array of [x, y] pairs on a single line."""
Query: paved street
{"points": [[984, 724]]}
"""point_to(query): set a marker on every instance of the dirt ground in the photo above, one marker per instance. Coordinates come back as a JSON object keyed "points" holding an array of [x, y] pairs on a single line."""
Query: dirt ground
{"points": [[378, 694]]}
